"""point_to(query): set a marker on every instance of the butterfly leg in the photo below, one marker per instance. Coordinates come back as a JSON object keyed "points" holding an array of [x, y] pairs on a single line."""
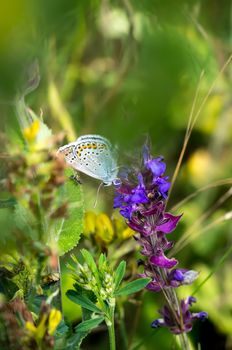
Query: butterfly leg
{"points": [[76, 179]]}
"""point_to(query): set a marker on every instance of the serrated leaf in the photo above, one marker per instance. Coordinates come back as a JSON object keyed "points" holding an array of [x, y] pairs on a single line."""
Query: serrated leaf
{"points": [[119, 274], [82, 301], [133, 287], [89, 324], [69, 230], [23, 218]]}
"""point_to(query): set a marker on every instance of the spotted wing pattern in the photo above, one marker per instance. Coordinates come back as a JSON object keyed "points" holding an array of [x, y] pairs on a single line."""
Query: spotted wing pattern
{"points": [[92, 155]]}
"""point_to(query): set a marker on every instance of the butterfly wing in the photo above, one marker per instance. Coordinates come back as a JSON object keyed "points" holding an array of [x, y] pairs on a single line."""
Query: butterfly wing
{"points": [[92, 155], [96, 157], [68, 152]]}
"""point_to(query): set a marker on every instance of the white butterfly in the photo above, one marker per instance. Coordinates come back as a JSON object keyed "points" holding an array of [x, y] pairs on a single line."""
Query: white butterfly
{"points": [[93, 155]]}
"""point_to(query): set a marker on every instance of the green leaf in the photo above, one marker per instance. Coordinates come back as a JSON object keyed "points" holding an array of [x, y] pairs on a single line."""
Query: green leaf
{"points": [[133, 287], [11, 202], [82, 301], [23, 219], [92, 265], [119, 274], [101, 261], [74, 341], [62, 329], [89, 294], [89, 324], [69, 230]]}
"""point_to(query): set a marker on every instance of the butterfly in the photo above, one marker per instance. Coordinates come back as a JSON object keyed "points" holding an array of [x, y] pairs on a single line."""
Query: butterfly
{"points": [[92, 155]]}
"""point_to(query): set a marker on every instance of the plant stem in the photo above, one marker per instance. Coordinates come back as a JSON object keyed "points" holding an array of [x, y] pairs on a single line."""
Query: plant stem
{"points": [[122, 326], [110, 325], [184, 341]]}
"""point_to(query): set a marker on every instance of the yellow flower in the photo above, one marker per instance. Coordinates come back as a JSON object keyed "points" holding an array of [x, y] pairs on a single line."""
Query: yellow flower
{"points": [[127, 233], [104, 228], [48, 322], [31, 131], [89, 223], [30, 327], [122, 231], [200, 166], [38, 331], [54, 320]]}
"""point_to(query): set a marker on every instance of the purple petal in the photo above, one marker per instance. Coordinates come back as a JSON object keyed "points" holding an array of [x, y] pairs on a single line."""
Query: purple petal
{"points": [[154, 286], [190, 300], [140, 226], [170, 224], [163, 185], [200, 315], [139, 197], [178, 275], [157, 323], [156, 165], [118, 201], [157, 208], [146, 250], [163, 188], [138, 194], [162, 261], [163, 242], [126, 212]]}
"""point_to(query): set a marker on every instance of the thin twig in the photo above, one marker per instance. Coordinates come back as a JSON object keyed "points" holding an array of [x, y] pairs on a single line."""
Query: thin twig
{"points": [[194, 120], [225, 217], [215, 268], [203, 217], [217, 183], [187, 136]]}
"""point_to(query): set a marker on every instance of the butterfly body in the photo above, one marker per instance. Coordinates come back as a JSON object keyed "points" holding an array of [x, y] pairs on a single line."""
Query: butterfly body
{"points": [[94, 156]]}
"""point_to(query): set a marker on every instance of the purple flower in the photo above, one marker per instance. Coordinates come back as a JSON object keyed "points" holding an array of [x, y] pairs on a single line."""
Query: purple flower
{"points": [[157, 283], [160, 260], [183, 321], [163, 185], [141, 196], [169, 223], [156, 166], [178, 277]]}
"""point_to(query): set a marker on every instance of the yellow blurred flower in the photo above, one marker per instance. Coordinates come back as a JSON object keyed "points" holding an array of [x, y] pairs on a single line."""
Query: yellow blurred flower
{"points": [[199, 166], [54, 320], [127, 233], [48, 323], [38, 331], [31, 131], [89, 223], [121, 229], [104, 228], [209, 117]]}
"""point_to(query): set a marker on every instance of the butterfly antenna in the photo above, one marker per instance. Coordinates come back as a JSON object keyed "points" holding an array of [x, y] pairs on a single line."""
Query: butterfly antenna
{"points": [[98, 191]]}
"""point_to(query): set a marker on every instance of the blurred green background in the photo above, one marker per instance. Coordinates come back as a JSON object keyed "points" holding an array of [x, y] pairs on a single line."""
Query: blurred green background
{"points": [[127, 69]]}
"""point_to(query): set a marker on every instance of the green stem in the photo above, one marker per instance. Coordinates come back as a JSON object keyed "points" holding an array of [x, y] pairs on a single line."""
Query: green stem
{"points": [[184, 341], [122, 326], [110, 325]]}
